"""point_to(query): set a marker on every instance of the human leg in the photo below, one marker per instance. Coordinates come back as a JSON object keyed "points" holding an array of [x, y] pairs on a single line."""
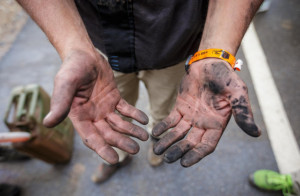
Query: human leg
{"points": [[128, 87], [162, 88]]}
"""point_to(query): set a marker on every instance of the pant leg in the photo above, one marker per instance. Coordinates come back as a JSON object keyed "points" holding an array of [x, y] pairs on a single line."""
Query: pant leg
{"points": [[162, 88], [296, 182], [128, 85]]}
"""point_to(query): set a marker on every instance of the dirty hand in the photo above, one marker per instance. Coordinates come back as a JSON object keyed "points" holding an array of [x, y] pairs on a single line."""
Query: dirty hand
{"points": [[85, 89], [207, 97]]}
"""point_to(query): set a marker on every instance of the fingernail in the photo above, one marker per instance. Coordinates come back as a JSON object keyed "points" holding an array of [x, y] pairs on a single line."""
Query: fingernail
{"points": [[45, 121], [48, 115], [157, 149]]}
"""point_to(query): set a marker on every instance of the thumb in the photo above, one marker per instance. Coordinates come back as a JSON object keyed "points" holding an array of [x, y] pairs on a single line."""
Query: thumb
{"points": [[242, 113], [62, 98]]}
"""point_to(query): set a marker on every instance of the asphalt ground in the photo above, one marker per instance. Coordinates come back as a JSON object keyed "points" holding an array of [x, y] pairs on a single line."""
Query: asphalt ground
{"points": [[225, 172], [278, 31]]}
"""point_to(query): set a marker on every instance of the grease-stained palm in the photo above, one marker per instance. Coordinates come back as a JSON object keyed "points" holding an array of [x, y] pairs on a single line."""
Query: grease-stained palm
{"points": [[207, 97], [85, 89]]}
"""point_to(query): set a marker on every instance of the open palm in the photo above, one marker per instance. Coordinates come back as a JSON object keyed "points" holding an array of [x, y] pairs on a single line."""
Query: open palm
{"points": [[207, 97], [85, 89]]}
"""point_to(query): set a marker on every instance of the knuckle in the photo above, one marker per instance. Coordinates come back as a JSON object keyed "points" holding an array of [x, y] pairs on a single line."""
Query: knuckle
{"points": [[66, 78], [72, 79], [107, 135], [119, 143], [132, 129], [101, 149]]}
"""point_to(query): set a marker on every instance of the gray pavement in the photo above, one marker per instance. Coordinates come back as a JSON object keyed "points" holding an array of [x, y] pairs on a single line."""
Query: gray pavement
{"points": [[33, 60], [278, 31]]}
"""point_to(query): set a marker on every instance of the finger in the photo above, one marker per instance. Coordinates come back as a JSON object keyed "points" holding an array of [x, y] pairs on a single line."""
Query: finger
{"points": [[116, 139], [94, 141], [63, 93], [130, 111], [178, 150], [242, 112], [173, 136], [169, 122], [207, 145], [122, 126]]}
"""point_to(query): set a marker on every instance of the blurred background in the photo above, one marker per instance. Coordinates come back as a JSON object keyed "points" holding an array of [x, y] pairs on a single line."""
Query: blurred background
{"points": [[27, 57]]}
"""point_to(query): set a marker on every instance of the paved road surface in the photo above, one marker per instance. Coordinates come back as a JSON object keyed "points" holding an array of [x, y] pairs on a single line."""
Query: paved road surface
{"points": [[33, 60]]}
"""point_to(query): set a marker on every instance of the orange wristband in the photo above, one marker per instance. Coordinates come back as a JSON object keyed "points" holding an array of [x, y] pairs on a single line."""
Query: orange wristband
{"points": [[215, 53]]}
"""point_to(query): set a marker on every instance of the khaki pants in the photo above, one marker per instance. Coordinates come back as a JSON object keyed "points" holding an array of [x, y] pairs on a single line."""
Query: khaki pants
{"points": [[161, 86]]}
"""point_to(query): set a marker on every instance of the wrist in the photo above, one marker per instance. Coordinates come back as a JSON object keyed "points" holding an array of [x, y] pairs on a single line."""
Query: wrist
{"points": [[230, 47], [201, 65], [69, 46], [216, 53]]}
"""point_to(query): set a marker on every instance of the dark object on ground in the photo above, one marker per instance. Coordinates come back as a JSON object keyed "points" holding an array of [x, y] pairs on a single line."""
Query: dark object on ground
{"points": [[26, 110], [9, 190], [10, 154]]}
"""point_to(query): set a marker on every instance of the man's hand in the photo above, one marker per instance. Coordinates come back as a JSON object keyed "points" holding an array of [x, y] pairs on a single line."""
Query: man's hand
{"points": [[207, 97], [85, 87]]}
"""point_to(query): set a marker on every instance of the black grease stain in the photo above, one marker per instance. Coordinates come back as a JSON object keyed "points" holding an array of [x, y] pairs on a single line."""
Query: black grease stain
{"points": [[215, 87], [234, 101], [158, 149], [166, 141], [218, 125], [240, 108], [221, 70], [249, 127], [140, 132], [205, 70], [243, 100], [243, 117], [133, 147], [215, 103], [228, 82], [173, 154], [220, 73], [143, 118], [190, 158], [177, 151], [159, 128]]}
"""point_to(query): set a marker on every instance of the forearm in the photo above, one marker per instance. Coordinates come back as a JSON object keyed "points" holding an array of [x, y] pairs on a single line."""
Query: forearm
{"points": [[61, 23], [227, 22]]}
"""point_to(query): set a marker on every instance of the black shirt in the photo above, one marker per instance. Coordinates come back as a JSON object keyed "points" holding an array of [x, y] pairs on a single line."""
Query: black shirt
{"points": [[144, 34]]}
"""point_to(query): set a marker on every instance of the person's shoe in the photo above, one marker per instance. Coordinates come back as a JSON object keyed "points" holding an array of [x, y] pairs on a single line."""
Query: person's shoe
{"points": [[10, 154], [105, 171], [272, 181], [153, 159]]}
